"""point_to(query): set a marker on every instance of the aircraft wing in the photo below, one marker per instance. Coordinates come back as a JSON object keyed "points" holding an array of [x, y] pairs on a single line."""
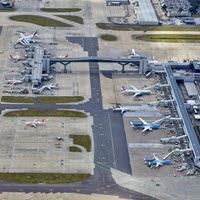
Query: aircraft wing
{"points": [[136, 94], [134, 87], [142, 121], [145, 128], [35, 120], [157, 164], [155, 156], [122, 111], [33, 125]]}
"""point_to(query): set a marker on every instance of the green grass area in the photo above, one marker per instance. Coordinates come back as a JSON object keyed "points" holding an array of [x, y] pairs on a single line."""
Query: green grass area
{"points": [[13, 99], [197, 130], [74, 149], [197, 15], [60, 9], [59, 99], [171, 38], [145, 28], [109, 37], [43, 113], [83, 140], [39, 20], [101, 25], [7, 9], [48, 178], [76, 19]]}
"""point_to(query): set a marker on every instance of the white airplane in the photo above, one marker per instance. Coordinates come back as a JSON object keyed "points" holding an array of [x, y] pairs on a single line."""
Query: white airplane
{"points": [[17, 58], [156, 161], [153, 61], [24, 40], [49, 87], [60, 56], [145, 125], [135, 91], [14, 82], [133, 53], [35, 123], [122, 109]]}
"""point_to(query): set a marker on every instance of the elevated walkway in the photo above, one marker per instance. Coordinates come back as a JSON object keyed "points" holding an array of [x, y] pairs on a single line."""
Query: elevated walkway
{"points": [[141, 61]]}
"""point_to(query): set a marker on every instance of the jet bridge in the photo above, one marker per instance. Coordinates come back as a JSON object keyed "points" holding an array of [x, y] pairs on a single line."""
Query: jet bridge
{"points": [[187, 125]]}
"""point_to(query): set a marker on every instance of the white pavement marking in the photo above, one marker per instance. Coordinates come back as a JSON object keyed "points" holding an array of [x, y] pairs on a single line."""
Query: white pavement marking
{"points": [[112, 140]]}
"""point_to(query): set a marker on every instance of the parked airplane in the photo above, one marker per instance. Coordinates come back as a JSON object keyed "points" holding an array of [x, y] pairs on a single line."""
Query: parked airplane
{"points": [[133, 53], [17, 58], [14, 82], [146, 125], [153, 61], [35, 123], [122, 109], [156, 162], [49, 87], [60, 56], [24, 40], [135, 91]]}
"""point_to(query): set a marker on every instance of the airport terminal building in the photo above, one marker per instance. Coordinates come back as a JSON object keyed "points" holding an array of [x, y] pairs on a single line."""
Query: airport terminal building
{"points": [[145, 13]]}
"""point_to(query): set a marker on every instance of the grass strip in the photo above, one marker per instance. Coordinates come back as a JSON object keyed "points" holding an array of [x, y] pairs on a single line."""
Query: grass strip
{"points": [[43, 113], [48, 178], [83, 140], [60, 9], [39, 20], [171, 38], [145, 28], [76, 19], [58, 99], [13, 99], [7, 9], [109, 37], [101, 25], [74, 149]]}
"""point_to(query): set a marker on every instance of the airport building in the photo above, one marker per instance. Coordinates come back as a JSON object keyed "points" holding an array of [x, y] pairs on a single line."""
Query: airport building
{"points": [[145, 13]]}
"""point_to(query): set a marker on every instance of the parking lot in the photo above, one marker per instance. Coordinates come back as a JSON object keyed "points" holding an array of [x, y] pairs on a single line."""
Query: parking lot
{"points": [[28, 149]]}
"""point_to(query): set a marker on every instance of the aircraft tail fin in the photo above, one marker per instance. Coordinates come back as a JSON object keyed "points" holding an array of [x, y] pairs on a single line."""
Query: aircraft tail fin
{"points": [[66, 56], [43, 120], [35, 33], [6, 79], [145, 158], [113, 107], [123, 89], [11, 56], [132, 123], [57, 85]]}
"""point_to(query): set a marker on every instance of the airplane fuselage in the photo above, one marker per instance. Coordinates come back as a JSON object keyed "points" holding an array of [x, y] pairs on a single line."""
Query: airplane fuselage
{"points": [[154, 161], [145, 125], [138, 91]]}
